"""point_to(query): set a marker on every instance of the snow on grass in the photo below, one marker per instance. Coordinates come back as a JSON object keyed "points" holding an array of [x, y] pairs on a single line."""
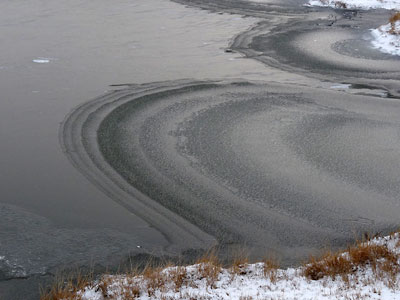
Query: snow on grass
{"points": [[387, 38], [369, 270], [358, 4]]}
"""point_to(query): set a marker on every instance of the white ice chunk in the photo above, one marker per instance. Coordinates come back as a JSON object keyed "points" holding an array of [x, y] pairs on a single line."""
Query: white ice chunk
{"points": [[341, 86], [41, 60]]}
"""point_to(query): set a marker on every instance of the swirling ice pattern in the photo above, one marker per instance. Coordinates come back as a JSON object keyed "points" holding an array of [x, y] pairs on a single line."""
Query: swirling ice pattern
{"points": [[273, 167]]}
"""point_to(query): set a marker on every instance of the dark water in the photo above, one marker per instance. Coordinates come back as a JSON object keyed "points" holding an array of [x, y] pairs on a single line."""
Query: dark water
{"points": [[50, 215]]}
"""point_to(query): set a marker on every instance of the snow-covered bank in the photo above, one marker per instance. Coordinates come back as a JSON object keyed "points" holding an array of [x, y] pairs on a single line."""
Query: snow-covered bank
{"points": [[387, 38], [358, 4], [368, 270]]}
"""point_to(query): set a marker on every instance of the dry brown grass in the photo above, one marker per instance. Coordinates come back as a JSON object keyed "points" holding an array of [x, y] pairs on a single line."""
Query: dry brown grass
{"points": [[340, 4], [179, 277], [66, 287], [131, 290], [330, 264], [240, 261], [103, 286], [270, 269], [209, 268], [154, 280], [393, 19], [383, 262]]}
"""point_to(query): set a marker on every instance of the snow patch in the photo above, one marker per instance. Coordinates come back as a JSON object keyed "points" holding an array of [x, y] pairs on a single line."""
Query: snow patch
{"points": [[387, 39], [251, 282], [357, 4]]}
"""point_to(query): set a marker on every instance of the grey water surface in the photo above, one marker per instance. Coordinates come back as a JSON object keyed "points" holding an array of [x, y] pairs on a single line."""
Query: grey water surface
{"points": [[285, 136], [54, 57]]}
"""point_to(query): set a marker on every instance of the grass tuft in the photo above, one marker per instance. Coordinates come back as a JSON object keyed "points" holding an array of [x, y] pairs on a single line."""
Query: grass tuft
{"points": [[240, 262], [179, 277], [340, 4], [155, 279], [209, 268], [66, 287], [270, 269], [393, 19], [379, 257]]}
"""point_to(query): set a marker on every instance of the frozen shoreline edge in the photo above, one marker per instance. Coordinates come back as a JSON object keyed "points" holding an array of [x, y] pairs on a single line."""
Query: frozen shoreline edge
{"points": [[209, 280], [383, 39]]}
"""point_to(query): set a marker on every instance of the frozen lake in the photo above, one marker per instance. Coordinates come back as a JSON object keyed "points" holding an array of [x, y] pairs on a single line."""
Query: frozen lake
{"points": [[290, 140], [55, 57]]}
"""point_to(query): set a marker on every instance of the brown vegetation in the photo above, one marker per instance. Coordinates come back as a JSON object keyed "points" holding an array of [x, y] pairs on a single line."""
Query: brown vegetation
{"points": [[66, 288], [393, 19], [340, 4], [209, 267], [155, 280], [383, 262], [270, 269], [239, 263]]}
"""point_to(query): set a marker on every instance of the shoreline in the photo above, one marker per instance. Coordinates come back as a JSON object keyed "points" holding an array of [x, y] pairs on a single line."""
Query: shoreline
{"points": [[367, 269]]}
